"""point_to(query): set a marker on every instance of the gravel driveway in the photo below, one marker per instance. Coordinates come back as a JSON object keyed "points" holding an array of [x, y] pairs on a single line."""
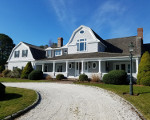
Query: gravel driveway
{"points": [[75, 102]]}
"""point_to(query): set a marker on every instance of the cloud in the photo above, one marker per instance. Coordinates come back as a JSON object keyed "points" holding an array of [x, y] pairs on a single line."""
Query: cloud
{"points": [[109, 16], [63, 12]]}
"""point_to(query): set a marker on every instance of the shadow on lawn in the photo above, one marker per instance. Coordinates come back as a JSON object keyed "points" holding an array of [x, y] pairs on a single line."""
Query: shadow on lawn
{"points": [[144, 92], [10, 96]]}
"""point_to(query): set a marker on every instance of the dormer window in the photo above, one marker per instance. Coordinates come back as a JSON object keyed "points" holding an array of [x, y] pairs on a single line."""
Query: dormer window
{"points": [[16, 54], [57, 52], [81, 45], [81, 31], [24, 53], [49, 53]]}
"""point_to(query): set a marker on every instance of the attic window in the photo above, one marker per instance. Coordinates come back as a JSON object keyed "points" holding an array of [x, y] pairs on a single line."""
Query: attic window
{"points": [[81, 31]]}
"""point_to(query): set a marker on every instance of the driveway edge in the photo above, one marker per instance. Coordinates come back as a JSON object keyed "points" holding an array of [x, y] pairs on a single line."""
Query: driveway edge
{"points": [[21, 112]]}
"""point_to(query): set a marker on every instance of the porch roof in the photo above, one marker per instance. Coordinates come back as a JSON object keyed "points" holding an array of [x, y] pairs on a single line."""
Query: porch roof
{"points": [[87, 55]]}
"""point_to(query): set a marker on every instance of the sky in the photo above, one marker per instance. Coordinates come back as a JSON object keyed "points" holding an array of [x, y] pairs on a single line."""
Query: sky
{"points": [[39, 21]]}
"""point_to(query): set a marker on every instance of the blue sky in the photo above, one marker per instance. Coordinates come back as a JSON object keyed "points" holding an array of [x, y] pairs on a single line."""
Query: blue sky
{"points": [[38, 21]]}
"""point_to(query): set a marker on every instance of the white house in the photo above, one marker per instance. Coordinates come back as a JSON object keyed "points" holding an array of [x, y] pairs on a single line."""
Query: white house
{"points": [[86, 52]]}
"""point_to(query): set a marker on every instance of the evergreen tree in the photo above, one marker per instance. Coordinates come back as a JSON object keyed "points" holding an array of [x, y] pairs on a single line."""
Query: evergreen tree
{"points": [[144, 67], [27, 70], [6, 46]]}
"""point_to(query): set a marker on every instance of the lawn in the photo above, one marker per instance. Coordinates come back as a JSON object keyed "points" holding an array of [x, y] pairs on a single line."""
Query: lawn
{"points": [[16, 99], [21, 80], [141, 102]]}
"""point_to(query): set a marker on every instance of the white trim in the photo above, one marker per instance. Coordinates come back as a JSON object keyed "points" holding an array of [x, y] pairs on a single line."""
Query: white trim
{"points": [[95, 65]]}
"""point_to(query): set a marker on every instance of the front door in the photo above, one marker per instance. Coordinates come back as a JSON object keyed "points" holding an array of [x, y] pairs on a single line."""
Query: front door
{"points": [[78, 67]]}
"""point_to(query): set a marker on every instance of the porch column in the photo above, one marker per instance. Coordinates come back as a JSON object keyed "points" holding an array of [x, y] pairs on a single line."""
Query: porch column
{"points": [[43, 67], [66, 68], [99, 66], [82, 70], [137, 65], [54, 68]]}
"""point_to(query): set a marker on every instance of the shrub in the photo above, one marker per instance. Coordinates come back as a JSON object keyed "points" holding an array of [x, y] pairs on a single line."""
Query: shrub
{"points": [[95, 78], [145, 81], [6, 73], [27, 70], [16, 73], [48, 77], [59, 76], [144, 67], [2, 68], [83, 77], [35, 75], [116, 77], [2, 91]]}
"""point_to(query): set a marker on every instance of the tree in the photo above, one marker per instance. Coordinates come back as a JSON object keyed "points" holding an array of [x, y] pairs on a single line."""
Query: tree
{"points": [[144, 67], [27, 70], [52, 44], [6, 46]]}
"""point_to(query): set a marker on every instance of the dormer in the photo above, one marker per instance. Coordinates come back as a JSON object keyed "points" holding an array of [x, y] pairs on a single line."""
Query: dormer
{"points": [[85, 40]]}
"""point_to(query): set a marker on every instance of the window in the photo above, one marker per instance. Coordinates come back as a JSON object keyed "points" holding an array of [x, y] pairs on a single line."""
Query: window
{"points": [[94, 65], [117, 67], [128, 68], [123, 67], [49, 53], [57, 52], [86, 65], [15, 68], [81, 45], [81, 31], [16, 54], [65, 52], [22, 67], [24, 53], [70, 65]]}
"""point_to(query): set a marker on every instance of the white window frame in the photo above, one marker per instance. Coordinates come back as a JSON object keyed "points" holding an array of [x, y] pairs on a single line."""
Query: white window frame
{"points": [[85, 45], [95, 65], [69, 66], [60, 52], [50, 53]]}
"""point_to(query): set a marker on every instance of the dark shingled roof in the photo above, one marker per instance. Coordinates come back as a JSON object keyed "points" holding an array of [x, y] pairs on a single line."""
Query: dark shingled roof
{"points": [[87, 55], [37, 52], [146, 47], [120, 45]]}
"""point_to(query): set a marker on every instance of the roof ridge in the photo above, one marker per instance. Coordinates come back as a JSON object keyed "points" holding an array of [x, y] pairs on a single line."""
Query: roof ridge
{"points": [[121, 37], [33, 46]]}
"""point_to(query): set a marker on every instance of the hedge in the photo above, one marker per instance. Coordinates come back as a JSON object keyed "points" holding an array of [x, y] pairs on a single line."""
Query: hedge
{"points": [[116, 77], [35, 75]]}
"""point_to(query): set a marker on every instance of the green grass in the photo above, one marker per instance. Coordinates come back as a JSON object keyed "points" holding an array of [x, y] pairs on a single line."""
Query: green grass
{"points": [[141, 102], [16, 99], [21, 80]]}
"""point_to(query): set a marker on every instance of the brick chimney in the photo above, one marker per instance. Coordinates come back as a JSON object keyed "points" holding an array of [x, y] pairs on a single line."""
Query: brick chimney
{"points": [[60, 42], [140, 32]]}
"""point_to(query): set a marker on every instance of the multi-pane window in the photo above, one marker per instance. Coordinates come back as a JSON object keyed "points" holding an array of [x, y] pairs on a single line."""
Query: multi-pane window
{"points": [[16, 54], [24, 53], [81, 45], [49, 53], [57, 52]]}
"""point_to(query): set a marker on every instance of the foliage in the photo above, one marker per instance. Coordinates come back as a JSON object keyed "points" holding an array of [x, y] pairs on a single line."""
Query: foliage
{"points": [[116, 77], [48, 77], [144, 67], [16, 99], [145, 81], [6, 73], [16, 73], [2, 67], [59, 76], [35, 75], [95, 78], [6, 46], [2, 91], [27, 70], [83, 77]]}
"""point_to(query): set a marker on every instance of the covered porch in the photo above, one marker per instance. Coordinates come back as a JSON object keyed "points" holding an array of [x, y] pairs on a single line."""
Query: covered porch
{"points": [[73, 68]]}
